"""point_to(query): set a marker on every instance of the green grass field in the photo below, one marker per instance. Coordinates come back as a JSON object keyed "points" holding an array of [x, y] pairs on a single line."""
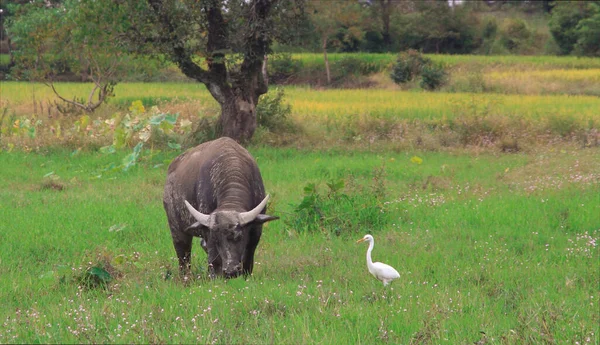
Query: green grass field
{"points": [[484, 240], [506, 245]]}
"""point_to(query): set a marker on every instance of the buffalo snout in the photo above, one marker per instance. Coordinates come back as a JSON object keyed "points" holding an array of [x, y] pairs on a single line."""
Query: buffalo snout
{"points": [[232, 270]]}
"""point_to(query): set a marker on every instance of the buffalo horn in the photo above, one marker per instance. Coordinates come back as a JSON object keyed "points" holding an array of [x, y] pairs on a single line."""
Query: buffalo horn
{"points": [[247, 217], [200, 217]]}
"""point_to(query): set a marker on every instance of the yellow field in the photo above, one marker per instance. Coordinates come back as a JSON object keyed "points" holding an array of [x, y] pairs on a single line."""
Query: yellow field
{"points": [[311, 104], [554, 81]]}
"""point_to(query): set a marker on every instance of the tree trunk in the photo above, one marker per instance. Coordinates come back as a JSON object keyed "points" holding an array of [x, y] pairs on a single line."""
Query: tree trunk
{"points": [[327, 71], [238, 118], [237, 90], [265, 73], [386, 7]]}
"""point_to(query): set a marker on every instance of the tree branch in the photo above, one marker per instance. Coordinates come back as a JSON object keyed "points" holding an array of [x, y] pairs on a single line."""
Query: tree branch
{"points": [[178, 53], [77, 104], [257, 43]]}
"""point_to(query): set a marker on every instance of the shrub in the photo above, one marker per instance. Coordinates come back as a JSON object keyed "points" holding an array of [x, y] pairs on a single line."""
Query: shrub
{"points": [[433, 76], [282, 67], [488, 35], [562, 125], [272, 112], [344, 209], [588, 32], [412, 64], [350, 65], [515, 35], [408, 66], [563, 24]]}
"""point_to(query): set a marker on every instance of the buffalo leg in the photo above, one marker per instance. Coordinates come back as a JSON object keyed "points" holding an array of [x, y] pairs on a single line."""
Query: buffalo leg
{"points": [[248, 259], [248, 262], [183, 248]]}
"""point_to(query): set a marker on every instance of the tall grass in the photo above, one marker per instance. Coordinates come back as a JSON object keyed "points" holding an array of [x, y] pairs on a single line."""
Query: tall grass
{"points": [[335, 117], [501, 244], [319, 104], [488, 61]]}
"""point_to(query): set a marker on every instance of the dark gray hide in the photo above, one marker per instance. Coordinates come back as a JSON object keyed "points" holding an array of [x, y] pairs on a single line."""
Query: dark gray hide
{"points": [[220, 180]]}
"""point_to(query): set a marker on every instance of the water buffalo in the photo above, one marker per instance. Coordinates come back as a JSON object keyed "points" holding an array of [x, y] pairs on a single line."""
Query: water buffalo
{"points": [[215, 191]]}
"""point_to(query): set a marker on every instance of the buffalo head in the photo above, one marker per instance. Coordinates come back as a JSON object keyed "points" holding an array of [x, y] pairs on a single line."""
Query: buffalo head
{"points": [[226, 235]]}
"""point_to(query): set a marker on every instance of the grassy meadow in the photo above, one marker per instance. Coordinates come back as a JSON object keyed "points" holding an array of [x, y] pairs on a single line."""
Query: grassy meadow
{"points": [[501, 244], [486, 201]]}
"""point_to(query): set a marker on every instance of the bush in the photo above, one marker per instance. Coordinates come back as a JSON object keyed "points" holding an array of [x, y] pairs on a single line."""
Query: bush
{"points": [[433, 76], [355, 66], [412, 64], [282, 67], [588, 33], [272, 112], [563, 24], [515, 35], [345, 208], [408, 66], [488, 35]]}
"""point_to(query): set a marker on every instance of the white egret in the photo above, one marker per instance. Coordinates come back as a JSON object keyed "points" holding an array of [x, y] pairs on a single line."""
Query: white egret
{"points": [[379, 270]]}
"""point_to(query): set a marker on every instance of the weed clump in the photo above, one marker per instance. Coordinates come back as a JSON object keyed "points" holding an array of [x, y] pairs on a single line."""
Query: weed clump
{"points": [[344, 207], [412, 65]]}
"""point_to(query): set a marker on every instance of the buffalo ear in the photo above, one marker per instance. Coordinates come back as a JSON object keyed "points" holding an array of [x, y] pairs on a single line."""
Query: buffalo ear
{"points": [[263, 218], [195, 229]]}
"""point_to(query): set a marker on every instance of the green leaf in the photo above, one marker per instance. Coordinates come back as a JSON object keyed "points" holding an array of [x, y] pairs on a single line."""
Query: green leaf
{"points": [[107, 149], [174, 146], [120, 138], [132, 158], [310, 188], [336, 186], [171, 118], [157, 119], [100, 273], [119, 260]]}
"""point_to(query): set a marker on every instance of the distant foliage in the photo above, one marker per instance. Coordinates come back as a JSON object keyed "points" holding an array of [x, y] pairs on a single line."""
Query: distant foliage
{"points": [[408, 66], [282, 67], [412, 65], [355, 66], [575, 27], [515, 35], [588, 33], [272, 112], [435, 29], [433, 76]]}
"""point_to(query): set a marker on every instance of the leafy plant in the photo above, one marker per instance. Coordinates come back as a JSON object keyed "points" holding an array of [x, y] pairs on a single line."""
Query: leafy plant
{"points": [[355, 66], [408, 66], [433, 76], [95, 277], [283, 67], [143, 127], [343, 208], [515, 35], [272, 112]]}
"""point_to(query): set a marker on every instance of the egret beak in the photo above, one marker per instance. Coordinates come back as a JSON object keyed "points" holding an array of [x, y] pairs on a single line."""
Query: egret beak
{"points": [[361, 240]]}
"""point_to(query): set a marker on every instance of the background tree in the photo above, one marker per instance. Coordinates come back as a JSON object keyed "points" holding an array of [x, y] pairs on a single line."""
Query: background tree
{"points": [[336, 24], [69, 37], [588, 32], [384, 9], [219, 43], [566, 15]]}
